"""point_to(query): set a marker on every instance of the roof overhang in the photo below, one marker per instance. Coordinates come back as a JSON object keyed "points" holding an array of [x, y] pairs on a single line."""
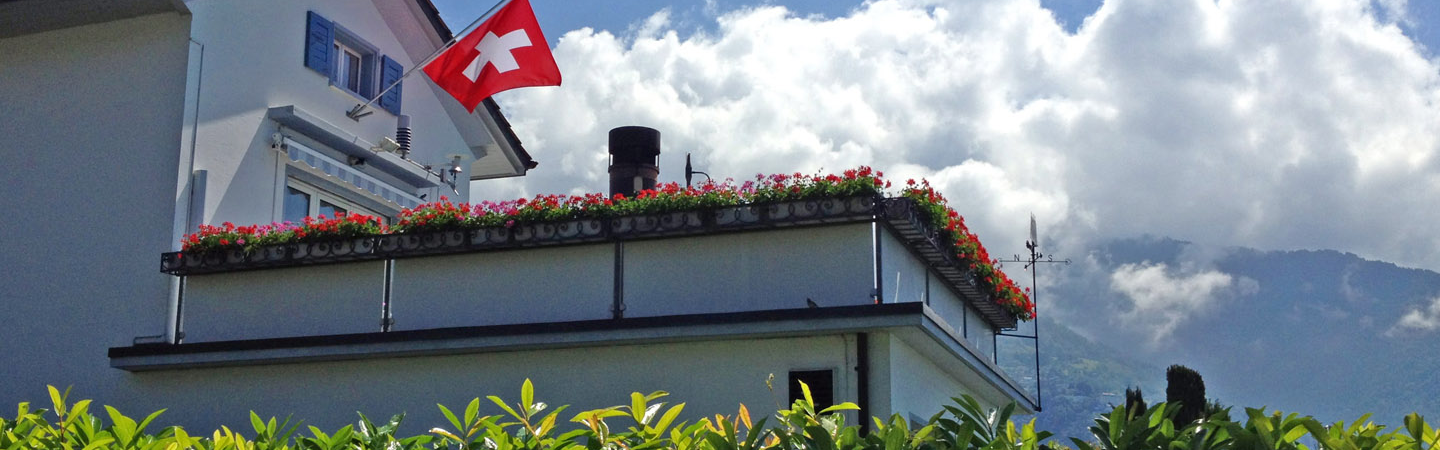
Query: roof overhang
{"points": [[22, 17]]}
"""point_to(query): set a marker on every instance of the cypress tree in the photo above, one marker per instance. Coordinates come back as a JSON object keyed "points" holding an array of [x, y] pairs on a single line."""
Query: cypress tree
{"points": [[1184, 386], [1134, 402]]}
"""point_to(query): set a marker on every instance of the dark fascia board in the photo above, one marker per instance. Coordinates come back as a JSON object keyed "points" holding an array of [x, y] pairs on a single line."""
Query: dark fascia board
{"points": [[22, 17], [491, 107], [792, 322], [913, 320]]}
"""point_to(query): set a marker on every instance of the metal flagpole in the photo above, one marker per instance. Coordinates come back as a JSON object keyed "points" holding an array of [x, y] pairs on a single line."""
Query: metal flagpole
{"points": [[359, 110]]}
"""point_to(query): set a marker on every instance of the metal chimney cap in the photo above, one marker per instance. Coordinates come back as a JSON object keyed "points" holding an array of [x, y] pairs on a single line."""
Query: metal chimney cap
{"points": [[635, 144]]}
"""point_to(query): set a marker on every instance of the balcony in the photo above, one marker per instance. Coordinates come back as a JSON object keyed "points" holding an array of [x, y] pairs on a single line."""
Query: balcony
{"points": [[846, 263]]}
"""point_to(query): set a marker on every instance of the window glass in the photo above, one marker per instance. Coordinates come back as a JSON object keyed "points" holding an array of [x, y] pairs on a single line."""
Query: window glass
{"points": [[328, 209], [352, 71], [297, 205], [349, 71], [303, 199]]}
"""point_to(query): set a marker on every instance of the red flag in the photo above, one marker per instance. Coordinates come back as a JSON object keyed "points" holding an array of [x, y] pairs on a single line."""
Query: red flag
{"points": [[506, 52]]}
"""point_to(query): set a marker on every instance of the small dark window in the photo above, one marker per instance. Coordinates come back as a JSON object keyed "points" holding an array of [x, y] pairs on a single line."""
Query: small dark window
{"points": [[822, 387]]}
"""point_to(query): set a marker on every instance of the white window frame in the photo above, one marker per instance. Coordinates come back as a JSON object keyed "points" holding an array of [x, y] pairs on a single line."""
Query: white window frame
{"points": [[342, 42], [320, 185], [318, 195]]}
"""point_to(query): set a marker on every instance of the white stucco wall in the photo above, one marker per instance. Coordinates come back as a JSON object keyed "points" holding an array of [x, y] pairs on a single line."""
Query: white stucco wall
{"points": [[92, 140], [97, 159], [918, 388], [525, 286], [254, 60], [902, 274], [711, 377], [297, 301], [905, 280], [980, 334], [749, 271]]}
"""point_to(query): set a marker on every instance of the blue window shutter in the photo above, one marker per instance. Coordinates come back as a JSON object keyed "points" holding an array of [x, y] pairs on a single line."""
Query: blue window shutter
{"points": [[319, 38], [390, 72]]}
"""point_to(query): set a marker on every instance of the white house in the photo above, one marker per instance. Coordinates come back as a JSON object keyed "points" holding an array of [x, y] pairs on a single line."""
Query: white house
{"points": [[130, 123]]}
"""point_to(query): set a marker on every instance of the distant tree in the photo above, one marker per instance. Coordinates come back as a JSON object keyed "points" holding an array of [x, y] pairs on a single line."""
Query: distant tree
{"points": [[1134, 402], [1184, 386], [1215, 411]]}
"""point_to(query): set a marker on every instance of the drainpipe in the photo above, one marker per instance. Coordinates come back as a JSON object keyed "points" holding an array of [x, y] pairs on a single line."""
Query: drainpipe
{"points": [[862, 380]]}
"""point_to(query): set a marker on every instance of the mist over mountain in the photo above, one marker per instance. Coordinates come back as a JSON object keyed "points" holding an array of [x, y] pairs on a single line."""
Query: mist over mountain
{"points": [[1321, 332]]}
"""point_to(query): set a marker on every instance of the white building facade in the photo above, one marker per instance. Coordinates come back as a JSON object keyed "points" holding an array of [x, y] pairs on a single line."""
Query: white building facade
{"points": [[132, 123]]}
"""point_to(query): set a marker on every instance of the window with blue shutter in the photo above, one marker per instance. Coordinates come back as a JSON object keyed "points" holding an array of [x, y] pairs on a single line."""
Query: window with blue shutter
{"points": [[319, 37], [390, 72], [351, 63]]}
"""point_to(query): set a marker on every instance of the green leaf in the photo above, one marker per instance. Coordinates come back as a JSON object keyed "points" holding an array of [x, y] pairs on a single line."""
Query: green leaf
{"points": [[805, 388], [637, 407], [668, 417], [502, 405], [472, 410], [256, 423], [527, 394], [57, 400]]}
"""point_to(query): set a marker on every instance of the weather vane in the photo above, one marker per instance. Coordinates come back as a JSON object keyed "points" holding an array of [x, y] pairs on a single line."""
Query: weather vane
{"points": [[1034, 246]]}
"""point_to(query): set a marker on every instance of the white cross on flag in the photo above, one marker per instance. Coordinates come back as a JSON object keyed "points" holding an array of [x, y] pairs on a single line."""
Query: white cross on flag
{"points": [[506, 52]]}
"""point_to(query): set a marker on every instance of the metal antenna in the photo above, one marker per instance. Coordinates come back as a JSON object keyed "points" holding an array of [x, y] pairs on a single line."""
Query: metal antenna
{"points": [[690, 171], [1032, 264]]}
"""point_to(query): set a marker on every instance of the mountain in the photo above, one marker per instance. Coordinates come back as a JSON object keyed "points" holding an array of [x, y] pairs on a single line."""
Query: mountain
{"points": [[1322, 333], [1079, 377]]}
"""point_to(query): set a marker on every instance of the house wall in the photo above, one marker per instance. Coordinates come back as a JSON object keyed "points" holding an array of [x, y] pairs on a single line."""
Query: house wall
{"points": [[527, 286], [918, 388], [776, 269], [301, 301], [92, 143], [907, 279], [902, 274], [710, 377], [102, 123], [253, 59]]}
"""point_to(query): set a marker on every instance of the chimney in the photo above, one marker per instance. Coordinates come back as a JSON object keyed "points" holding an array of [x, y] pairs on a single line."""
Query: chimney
{"points": [[633, 154]]}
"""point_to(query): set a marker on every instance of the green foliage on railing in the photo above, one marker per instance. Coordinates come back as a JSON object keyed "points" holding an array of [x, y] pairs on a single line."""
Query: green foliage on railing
{"points": [[648, 423]]}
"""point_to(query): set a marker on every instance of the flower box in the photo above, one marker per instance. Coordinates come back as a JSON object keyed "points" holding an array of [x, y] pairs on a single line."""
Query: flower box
{"points": [[919, 214]]}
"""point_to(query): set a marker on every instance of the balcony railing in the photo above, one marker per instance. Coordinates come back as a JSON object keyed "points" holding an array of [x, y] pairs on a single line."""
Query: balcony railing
{"points": [[821, 252]]}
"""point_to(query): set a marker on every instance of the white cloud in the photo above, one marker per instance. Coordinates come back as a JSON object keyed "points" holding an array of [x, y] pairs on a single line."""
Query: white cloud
{"points": [[1281, 124], [1424, 319], [1159, 300]]}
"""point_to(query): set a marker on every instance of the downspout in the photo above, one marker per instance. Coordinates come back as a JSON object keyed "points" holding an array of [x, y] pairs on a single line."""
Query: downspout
{"points": [[862, 380], [193, 215]]}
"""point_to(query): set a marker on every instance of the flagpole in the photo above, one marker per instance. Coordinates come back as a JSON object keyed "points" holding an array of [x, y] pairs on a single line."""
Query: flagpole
{"points": [[359, 110]]}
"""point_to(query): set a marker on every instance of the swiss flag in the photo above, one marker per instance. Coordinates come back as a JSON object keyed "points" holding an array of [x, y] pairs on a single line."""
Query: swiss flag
{"points": [[506, 52]]}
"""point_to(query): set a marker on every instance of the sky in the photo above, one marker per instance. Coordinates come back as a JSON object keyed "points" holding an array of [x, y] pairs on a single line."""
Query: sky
{"points": [[1276, 124]]}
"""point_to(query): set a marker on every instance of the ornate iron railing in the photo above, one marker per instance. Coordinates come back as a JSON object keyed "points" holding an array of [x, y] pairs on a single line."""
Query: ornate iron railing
{"points": [[900, 214]]}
